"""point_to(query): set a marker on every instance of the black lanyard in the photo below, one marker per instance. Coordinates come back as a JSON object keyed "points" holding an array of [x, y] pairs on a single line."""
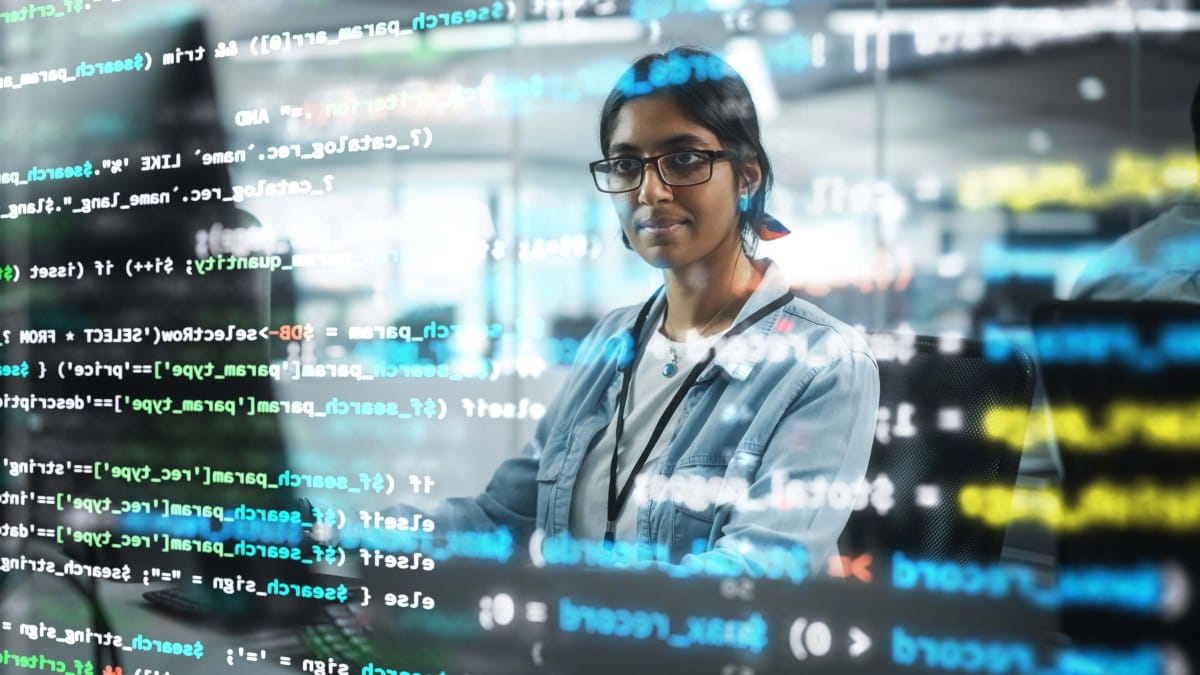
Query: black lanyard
{"points": [[616, 502]]}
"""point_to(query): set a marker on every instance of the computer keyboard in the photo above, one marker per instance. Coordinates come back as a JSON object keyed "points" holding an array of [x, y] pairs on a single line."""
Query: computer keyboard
{"points": [[187, 602], [338, 631]]}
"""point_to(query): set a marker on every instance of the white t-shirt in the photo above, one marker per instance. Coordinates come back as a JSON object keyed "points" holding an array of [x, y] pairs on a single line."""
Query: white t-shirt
{"points": [[649, 393]]}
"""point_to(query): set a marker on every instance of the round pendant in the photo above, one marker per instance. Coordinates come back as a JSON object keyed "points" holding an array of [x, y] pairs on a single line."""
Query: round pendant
{"points": [[669, 370]]}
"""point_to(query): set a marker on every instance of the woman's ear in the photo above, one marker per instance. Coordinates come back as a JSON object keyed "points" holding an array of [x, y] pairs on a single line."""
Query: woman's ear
{"points": [[750, 177]]}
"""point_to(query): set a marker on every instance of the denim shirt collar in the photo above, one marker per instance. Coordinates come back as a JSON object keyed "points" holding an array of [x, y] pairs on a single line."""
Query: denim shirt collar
{"points": [[773, 284]]}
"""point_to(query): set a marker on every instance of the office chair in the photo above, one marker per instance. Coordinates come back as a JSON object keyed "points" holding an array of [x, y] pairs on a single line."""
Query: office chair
{"points": [[930, 442]]}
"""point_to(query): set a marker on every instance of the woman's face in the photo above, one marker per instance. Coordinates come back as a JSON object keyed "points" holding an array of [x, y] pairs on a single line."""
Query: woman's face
{"points": [[673, 227]]}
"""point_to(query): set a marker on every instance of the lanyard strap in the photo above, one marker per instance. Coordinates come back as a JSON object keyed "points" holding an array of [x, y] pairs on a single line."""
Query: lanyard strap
{"points": [[616, 502]]}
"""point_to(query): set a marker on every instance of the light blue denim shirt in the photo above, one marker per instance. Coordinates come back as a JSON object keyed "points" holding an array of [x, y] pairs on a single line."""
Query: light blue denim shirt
{"points": [[791, 404], [1158, 261]]}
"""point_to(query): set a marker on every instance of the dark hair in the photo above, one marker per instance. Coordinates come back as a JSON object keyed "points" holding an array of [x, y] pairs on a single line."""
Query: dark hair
{"points": [[1196, 120], [710, 93]]}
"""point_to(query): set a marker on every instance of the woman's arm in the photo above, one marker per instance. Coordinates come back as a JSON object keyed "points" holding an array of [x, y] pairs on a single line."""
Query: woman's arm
{"points": [[509, 500]]}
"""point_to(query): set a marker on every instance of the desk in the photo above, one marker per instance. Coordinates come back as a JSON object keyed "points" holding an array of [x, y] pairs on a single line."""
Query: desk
{"points": [[37, 598]]}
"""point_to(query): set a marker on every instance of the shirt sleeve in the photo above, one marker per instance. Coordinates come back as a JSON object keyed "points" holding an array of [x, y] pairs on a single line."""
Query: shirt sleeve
{"points": [[823, 439], [510, 499], [1142, 285]]}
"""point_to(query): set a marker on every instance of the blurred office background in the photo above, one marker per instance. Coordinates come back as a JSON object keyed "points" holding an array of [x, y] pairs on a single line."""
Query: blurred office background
{"points": [[943, 166]]}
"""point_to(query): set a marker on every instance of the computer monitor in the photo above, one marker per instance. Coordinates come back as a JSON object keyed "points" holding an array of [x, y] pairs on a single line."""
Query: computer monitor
{"points": [[1121, 380], [133, 443]]}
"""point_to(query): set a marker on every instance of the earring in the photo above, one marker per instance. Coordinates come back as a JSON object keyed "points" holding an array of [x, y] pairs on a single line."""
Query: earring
{"points": [[744, 202]]}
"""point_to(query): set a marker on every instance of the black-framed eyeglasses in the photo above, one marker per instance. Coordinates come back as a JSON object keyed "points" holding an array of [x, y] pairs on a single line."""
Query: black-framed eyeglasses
{"points": [[676, 169]]}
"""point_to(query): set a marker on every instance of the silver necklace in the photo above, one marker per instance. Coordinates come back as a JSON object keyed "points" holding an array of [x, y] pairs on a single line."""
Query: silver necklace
{"points": [[671, 368]]}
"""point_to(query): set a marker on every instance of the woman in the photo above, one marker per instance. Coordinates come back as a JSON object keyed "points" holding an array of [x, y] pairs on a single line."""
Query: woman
{"points": [[714, 429]]}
